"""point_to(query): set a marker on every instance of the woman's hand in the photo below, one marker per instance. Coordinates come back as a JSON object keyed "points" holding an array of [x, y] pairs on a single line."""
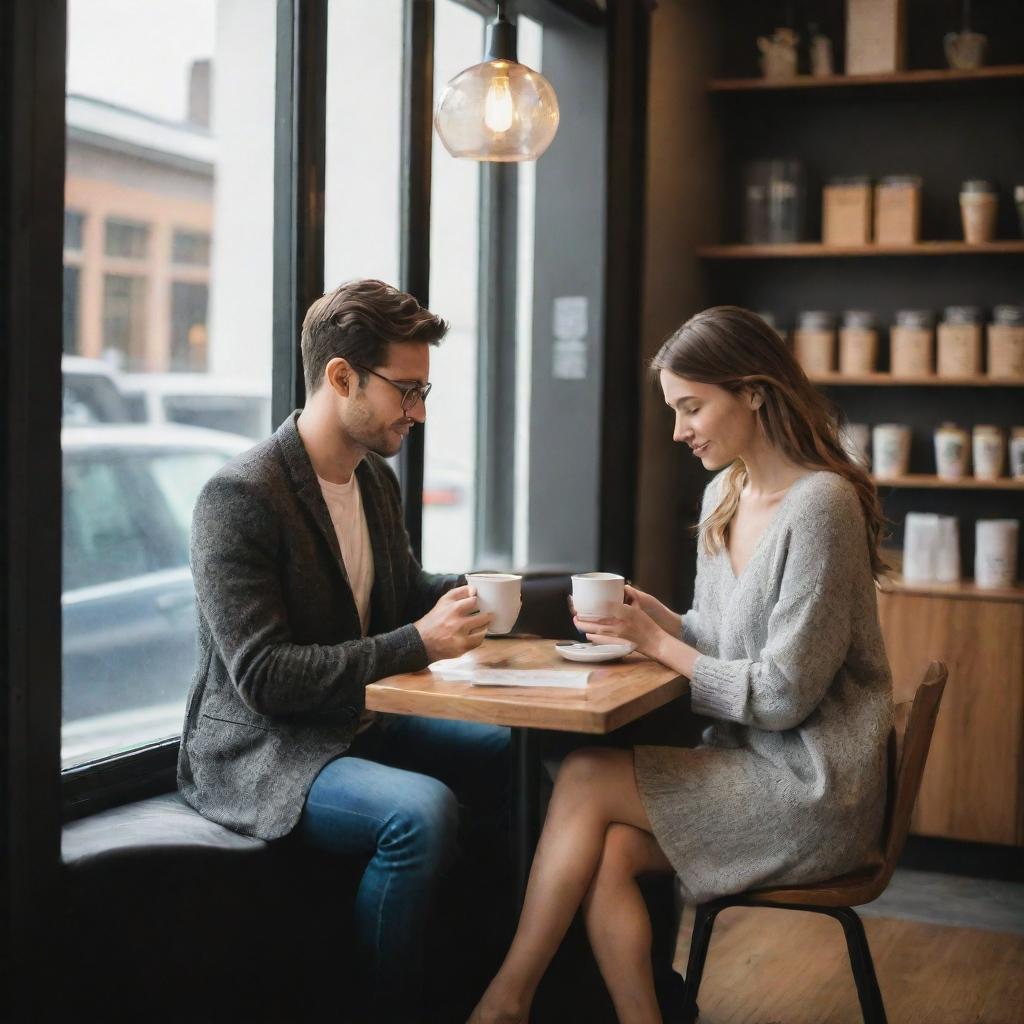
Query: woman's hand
{"points": [[630, 624], [668, 620]]}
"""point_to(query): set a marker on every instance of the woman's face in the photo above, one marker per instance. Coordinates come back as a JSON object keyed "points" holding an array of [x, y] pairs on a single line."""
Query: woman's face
{"points": [[719, 426]]}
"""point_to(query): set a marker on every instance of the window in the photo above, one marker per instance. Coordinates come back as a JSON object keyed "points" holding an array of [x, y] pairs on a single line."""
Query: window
{"points": [[180, 477], [73, 221], [170, 156], [191, 247], [449, 469], [172, 305], [103, 542], [124, 320], [127, 239], [129, 606], [188, 325], [245, 415], [361, 194]]}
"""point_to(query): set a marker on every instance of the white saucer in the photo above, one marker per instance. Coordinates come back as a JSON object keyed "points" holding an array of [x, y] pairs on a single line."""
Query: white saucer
{"points": [[593, 652]]}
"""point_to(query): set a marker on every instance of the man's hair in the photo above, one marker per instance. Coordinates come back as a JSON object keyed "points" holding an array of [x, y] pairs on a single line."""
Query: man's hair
{"points": [[357, 321]]}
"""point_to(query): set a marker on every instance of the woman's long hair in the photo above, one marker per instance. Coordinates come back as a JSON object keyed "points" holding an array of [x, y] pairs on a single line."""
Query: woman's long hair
{"points": [[736, 350]]}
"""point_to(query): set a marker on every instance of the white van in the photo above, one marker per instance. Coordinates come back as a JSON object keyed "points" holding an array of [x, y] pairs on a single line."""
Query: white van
{"points": [[198, 400]]}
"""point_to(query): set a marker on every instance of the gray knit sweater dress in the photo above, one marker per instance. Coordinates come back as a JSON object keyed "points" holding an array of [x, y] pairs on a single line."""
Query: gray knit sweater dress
{"points": [[789, 784]]}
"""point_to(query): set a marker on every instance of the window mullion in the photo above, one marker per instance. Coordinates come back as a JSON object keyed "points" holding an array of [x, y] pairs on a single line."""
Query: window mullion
{"points": [[496, 369], [417, 137], [299, 160]]}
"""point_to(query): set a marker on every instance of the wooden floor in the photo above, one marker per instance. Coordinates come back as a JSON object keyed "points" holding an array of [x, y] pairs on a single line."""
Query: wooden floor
{"points": [[787, 967]]}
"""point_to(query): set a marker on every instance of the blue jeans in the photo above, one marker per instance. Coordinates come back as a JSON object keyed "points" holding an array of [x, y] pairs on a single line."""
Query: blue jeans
{"points": [[395, 797]]}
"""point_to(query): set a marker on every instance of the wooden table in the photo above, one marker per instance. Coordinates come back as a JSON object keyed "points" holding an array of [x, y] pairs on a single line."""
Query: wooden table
{"points": [[617, 693]]}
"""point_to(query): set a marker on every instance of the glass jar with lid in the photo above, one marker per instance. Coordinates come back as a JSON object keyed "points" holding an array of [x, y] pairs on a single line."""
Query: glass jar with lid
{"points": [[898, 209], [858, 342], [846, 211], [814, 341], [1006, 343], [959, 342], [912, 343]]}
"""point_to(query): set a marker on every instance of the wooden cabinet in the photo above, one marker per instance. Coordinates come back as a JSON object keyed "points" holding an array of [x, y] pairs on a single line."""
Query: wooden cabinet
{"points": [[973, 786]]}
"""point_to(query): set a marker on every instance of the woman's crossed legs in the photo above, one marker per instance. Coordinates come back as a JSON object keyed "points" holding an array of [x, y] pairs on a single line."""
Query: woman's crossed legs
{"points": [[596, 841]]}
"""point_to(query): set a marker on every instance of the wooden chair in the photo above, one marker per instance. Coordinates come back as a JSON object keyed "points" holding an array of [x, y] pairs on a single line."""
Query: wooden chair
{"points": [[908, 751]]}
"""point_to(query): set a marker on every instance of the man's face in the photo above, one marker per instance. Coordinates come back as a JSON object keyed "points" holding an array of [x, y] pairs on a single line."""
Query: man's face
{"points": [[371, 414]]}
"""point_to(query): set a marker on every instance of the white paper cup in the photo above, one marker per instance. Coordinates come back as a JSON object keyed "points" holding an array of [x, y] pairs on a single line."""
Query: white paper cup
{"points": [[890, 445], [951, 453], [1017, 455], [987, 447], [920, 544], [947, 552], [597, 595], [499, 594], [995, 553]]}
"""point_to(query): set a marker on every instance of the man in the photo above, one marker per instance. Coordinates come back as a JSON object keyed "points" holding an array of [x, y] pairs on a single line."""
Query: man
{"points": [[307, 591]]}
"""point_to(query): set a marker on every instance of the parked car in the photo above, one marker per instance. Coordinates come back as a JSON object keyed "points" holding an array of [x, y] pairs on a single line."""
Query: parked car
{"points": [[128, 601], [198, 400], [91, 393]]}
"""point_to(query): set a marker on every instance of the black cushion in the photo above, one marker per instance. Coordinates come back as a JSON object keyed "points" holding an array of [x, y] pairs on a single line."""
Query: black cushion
{"points": [[162, 825]]}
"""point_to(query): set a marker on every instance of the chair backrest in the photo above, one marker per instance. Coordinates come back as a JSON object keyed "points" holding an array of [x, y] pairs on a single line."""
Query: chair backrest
{"points": [[909, 741]]}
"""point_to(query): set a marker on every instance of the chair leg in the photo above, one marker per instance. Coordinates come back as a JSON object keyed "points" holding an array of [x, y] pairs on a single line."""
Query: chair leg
{"points": [[700, 940], [868, 992]]}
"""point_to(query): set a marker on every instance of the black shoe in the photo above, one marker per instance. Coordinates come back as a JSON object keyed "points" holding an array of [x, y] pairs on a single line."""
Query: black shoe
{"points": [[671, 992]]}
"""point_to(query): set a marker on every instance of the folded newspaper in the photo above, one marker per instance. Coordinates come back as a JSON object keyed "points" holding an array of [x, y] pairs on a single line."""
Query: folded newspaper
{"points": [[459, 670]]}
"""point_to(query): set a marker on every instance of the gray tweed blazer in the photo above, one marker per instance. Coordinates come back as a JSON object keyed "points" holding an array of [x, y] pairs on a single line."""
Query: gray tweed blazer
{"points": [[282, 670]]}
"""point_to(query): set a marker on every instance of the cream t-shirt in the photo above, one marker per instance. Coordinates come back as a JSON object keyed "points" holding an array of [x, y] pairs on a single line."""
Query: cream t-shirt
{"points": [[345, 504]]}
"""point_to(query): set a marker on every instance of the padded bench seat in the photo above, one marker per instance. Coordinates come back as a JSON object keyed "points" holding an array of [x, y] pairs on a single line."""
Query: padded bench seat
{"points": [[162, 826], [170, 916]]}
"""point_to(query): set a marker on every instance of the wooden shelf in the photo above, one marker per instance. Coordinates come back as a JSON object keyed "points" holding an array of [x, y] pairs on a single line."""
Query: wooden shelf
{"points": [[968, 483], [964, 589], [888, 380], [816, 250], [930, 76]]}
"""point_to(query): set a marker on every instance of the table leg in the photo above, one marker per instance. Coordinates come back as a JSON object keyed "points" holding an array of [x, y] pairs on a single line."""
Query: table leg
{"points": [[525, 805]]}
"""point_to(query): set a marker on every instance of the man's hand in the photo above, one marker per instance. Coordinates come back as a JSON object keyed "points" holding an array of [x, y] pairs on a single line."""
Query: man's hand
{"points": [[454, 625]]}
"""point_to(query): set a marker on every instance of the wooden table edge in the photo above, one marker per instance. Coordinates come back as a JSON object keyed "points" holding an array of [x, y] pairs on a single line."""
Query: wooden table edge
{"points": [[498, 711]]}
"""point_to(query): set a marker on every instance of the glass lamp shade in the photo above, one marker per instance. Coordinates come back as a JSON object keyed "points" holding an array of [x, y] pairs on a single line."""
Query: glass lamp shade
{"points": [[498, 110]]}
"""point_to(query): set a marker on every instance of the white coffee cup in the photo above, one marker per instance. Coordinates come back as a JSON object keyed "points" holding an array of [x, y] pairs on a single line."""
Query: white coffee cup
{"points": [[890, 449], [499, 594], [995, 553], [951, 448], [597, 595]]}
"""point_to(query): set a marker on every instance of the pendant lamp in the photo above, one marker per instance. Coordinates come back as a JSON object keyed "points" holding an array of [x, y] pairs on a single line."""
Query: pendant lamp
{"points": [[499, 110]]}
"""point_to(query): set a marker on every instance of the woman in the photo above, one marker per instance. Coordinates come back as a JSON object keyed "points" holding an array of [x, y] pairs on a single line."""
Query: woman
{"points": [[782, 647]]}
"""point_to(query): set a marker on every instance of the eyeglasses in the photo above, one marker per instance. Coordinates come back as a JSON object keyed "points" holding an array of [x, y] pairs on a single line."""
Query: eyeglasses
{"points": [[411, 393]]}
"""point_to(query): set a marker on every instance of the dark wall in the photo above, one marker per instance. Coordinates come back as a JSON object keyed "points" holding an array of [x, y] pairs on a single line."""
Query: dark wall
{"points": [[565, 428]]}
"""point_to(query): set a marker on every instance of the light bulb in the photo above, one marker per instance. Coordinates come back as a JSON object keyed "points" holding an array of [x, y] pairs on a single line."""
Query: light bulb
{"points": [[499, 110]]}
